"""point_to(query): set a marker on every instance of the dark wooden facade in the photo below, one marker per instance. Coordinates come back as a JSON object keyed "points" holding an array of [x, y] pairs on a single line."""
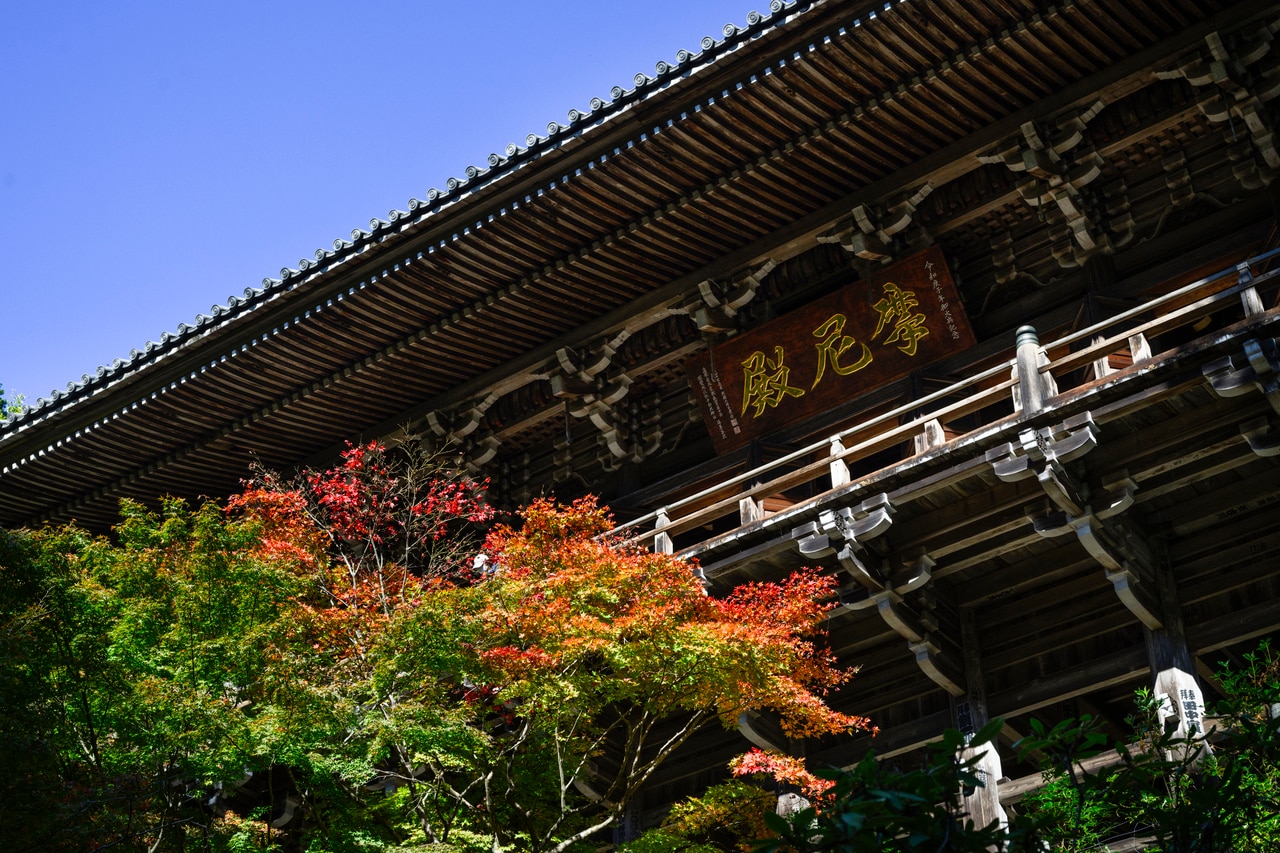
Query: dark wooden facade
{"points": [[1098, 170]]}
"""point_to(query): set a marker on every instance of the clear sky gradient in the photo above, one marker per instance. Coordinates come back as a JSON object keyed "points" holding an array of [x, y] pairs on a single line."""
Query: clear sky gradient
{"points": [[157, 157]]}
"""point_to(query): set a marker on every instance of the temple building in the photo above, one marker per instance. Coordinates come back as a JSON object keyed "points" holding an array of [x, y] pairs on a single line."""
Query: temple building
{"points": [[970, 302]]}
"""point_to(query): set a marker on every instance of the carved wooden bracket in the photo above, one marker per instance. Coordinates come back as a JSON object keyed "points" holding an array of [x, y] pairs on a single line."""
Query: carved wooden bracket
{"points": [[715, 307], [1113, 541], [1238, 75], [457, 428], [592, 392], [1058, 168], [883, 584], [1260, 372], [872, 231], [849, 527]]}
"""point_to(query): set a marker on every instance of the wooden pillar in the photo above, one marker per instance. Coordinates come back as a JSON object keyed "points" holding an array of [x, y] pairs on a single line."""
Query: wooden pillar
{"points": [[971, 714], [632, 822], [1172, 664]]}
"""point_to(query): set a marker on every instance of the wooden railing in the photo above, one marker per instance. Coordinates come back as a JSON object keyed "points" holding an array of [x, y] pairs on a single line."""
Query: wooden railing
{"points": [[1029, 377]]}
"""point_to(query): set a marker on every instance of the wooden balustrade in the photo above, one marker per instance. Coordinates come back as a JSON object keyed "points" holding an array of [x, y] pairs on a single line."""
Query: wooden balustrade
{"points": [[827, 462]]}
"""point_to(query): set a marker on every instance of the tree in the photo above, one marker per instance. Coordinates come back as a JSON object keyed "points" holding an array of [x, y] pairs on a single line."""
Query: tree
{"points": [[10, 406], [588, 664], [145, 673], [345, 649]]}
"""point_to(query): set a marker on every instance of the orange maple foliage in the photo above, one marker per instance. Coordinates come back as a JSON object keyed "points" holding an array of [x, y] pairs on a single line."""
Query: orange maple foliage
{"points": [[783, 768], [569, 594]]}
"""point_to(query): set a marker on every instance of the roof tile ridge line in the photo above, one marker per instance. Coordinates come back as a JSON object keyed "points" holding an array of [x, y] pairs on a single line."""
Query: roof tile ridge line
{"points": [[645, 86], [153, 353], [444, 323], [459, 189]]}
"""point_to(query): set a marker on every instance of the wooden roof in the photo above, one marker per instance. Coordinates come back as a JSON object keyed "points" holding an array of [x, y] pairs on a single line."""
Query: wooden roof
{"points": [[746, 152]]}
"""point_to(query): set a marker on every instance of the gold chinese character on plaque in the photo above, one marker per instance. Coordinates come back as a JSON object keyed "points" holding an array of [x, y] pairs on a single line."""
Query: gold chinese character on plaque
{"points": [[832, 347], [899, 306], [764, 382]]}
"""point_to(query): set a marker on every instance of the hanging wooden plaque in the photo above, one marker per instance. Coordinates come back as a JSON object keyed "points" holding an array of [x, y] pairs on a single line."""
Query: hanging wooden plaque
{"points": [[903, 317]]}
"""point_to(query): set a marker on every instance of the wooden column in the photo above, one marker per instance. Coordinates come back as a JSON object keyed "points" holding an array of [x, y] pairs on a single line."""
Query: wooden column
{"points": [[971, 714], [1172, 664]]}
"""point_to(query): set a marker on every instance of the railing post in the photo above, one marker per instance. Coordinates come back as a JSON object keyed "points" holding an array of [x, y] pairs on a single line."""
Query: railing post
{"points": [[1249, 297], [750, 510], [839, 468], [661, 541], [1032, 389], [931, 435]]}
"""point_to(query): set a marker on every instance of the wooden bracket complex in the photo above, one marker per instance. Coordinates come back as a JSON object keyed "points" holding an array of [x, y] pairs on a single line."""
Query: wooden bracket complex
{"points": [[715, 307], [882, 587], [630, 432], [1238, 75], [1260, 372], [1057, 169], [849, 527], [871, 232], [1096, 520], [457, 429]]}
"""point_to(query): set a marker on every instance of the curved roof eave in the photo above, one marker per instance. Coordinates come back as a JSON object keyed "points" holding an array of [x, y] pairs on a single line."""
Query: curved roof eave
{"points": [[580, 131]]}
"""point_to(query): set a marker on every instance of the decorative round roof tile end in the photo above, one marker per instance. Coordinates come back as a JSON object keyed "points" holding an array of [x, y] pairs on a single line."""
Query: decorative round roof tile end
{"points": [[708, 43]]}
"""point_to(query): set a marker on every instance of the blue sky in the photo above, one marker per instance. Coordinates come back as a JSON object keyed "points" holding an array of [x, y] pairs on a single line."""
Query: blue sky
{"points": [[158, 157]]}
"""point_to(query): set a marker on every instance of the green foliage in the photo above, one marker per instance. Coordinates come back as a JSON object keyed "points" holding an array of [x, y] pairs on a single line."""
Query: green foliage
{"points": [[728, 817], [1173, 791], [139, 671], [877, 807], [10, 406]]}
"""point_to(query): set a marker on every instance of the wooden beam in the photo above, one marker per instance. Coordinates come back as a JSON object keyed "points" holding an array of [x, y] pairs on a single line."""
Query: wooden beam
{"points": [[1124, 665]]}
